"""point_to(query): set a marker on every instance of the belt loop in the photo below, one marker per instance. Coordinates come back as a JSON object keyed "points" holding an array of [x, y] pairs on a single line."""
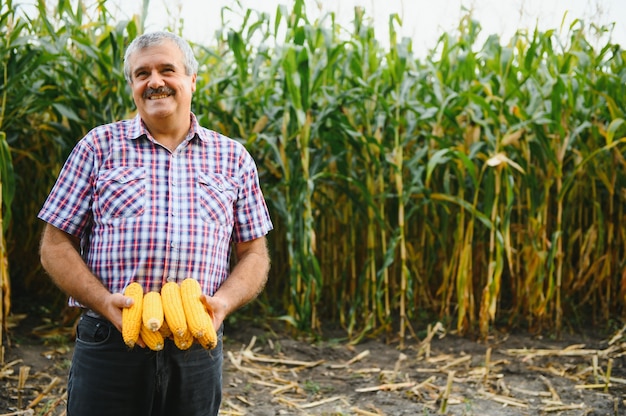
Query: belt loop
{"points": [[93, 314]]}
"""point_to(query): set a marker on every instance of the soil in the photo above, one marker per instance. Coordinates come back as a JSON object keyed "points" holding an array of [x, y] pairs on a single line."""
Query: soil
{"points": [[268, 372]]}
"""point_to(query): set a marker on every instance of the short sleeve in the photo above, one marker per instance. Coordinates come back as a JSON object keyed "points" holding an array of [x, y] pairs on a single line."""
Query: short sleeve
{"points": [[68, 206], [252, 215]]}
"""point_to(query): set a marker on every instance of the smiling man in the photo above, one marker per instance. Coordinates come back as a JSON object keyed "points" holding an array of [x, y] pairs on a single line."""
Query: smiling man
{"points": [[153, 199], [163, 78]]}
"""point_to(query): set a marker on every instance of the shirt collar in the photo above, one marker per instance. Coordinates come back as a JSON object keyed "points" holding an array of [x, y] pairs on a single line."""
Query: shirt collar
{"points": [[138, 129]]}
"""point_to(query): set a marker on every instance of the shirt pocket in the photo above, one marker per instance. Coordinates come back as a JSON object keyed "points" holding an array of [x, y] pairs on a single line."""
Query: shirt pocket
{"points": [[216, 196], [121, 192]]}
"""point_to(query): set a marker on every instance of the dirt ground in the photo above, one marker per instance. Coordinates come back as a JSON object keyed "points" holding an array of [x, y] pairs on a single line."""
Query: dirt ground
{"points": [[267, 372]]}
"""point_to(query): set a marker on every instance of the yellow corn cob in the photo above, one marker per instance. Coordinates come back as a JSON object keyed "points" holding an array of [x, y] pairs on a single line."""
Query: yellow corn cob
{"points": [[153, 339], [152, 312], [198, 319], [131, 316], [208, 341], [184, 341], [165, 330], [173, 308]]}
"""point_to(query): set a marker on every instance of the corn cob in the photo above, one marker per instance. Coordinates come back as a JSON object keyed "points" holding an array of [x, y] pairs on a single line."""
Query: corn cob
{"points": [[173, 308], [153, 339], [152, 312], [198, 319], [184, 341], [131, 316], [165, 330], [208, 341]]}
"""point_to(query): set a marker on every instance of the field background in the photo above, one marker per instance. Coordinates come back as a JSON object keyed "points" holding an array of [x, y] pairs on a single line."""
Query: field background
{"points": [[480, 185]]}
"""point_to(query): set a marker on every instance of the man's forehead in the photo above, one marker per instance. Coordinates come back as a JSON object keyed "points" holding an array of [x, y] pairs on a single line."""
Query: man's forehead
{"points": [[159, 54]]}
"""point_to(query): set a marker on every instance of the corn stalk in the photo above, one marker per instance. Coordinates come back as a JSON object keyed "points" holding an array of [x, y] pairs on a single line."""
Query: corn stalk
{"points": [[403, 190]]}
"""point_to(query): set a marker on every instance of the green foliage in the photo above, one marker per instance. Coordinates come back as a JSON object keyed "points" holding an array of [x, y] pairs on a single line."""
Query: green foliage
{"points": [[481, 185], [62, 75]]}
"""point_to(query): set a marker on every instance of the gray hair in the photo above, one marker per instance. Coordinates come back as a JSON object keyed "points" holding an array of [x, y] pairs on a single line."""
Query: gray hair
{"points": [[157, 38]]}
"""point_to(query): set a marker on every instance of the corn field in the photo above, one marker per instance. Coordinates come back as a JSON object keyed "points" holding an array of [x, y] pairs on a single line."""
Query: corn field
{"points": [[482, 186]]}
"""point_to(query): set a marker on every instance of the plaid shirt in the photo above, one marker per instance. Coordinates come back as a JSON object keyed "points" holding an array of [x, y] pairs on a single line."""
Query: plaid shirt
{"points": [[146, 214]]}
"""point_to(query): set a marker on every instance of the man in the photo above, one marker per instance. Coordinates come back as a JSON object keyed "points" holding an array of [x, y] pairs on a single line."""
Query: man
{"points": [[153, 199]]}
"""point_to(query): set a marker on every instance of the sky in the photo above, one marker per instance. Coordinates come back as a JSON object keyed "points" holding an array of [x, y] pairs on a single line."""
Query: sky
{"points": [[422, 20]]}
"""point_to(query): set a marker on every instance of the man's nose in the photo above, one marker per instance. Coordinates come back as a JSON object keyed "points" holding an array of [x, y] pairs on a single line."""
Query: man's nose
{"points": [[156, 80]]}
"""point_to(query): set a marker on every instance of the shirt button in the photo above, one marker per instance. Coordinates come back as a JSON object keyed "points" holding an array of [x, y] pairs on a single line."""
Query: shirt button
{"points": [[171, 279]]}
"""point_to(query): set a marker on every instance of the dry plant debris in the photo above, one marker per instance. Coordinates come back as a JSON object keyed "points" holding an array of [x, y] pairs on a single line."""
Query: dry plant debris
{"points": [[440, 383], [441, 374]]}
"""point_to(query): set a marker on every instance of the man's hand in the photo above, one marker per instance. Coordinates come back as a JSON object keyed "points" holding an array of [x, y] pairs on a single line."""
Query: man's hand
{"points": [[112, 308], [216, 308], [114, 305]]}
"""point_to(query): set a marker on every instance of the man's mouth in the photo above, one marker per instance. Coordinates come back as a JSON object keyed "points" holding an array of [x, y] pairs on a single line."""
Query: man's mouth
{"points": [[152, 94]]}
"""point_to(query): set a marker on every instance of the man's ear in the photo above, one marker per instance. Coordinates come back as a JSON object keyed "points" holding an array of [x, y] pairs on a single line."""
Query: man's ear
{"points": [[193, 82]]}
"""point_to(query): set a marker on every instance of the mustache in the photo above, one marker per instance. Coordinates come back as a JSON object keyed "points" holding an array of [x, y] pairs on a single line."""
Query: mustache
{"points": [[158, 91]]}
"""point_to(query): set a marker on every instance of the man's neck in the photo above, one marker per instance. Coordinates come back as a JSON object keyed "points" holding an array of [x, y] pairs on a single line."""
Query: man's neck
{"points": [[169, 133]]}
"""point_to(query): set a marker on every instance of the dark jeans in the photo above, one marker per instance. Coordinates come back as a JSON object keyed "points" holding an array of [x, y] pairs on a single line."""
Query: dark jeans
{"points": [[109, 379]]}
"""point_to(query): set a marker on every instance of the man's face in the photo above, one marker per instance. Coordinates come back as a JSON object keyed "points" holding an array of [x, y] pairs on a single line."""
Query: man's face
{"points": [[161, 88]]}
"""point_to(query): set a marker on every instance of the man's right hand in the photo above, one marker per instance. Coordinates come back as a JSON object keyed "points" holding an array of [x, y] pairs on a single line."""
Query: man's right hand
{"points": [[113, 307]]}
